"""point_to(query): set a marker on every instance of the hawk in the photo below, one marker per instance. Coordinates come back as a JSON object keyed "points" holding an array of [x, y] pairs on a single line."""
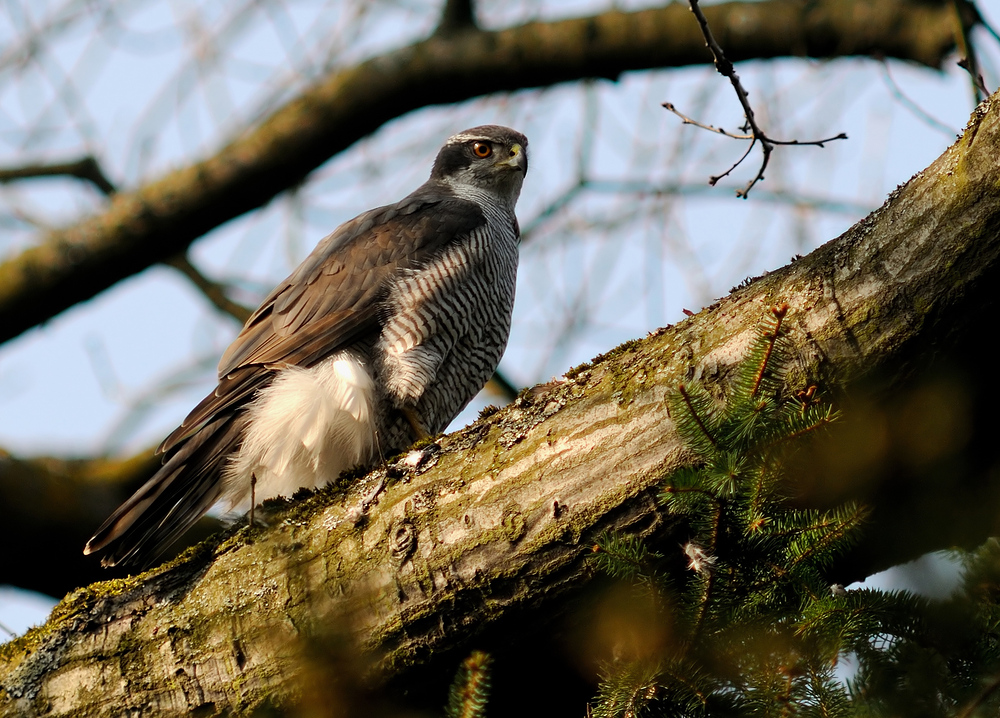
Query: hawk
{"points": [[381, 336]]}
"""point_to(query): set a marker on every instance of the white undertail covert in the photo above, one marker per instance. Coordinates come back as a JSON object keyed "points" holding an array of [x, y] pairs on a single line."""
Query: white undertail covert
{"points": [[304, 429]]}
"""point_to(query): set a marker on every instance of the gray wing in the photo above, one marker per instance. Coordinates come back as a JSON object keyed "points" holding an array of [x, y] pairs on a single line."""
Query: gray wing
{"points": [[332, 300]]}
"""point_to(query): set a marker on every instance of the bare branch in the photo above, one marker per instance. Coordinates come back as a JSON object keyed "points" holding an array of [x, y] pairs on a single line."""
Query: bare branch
{"points": [[86, 168], [767, 145], [458, 15], [981, 21], [49, 507], [979, 89], [711, 128], [767, 156], [502, 386], [214, 291], [965, 17], [160, 219], [913, 107]]}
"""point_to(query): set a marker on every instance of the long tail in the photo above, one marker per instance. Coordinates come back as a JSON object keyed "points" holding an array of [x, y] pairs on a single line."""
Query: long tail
{"points": [[177, 495]]}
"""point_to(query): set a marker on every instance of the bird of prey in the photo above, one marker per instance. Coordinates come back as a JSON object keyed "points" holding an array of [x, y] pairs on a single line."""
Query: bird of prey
{"points": [[381, 336]]}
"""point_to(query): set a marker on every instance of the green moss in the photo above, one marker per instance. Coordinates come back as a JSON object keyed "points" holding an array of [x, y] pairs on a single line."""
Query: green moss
{"points": [[574, 372], [488, 411], [25, 644], [628, 346], [421, 443]]}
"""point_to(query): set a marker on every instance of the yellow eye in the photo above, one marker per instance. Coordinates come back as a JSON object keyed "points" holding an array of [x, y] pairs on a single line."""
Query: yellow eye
{"points": [[481, 149]]}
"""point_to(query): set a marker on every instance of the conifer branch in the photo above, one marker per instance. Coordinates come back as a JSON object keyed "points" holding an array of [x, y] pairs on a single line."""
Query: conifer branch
{"points": [[705, 596], [471, 690], [807, 429], [694, 414], [624, 557], [690, 490], [692, 687], [779, 313], [831, 533]]}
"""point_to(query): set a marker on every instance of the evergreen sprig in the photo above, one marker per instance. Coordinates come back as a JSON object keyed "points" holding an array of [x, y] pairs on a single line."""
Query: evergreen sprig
{"points": [[470, 691], [757, 629]]}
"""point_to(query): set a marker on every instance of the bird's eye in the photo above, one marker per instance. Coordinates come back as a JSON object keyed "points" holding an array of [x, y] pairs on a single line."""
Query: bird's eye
{"points": [[481, 149]]}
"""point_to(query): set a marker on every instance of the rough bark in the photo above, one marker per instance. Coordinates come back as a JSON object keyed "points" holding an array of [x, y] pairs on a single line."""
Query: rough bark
{"points": [[149, 224], [504, 517]]}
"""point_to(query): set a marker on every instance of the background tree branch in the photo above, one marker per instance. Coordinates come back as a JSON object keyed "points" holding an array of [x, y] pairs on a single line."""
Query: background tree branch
{"points": [[502, 520], [52, 507], [87, 169], [160, 219]]}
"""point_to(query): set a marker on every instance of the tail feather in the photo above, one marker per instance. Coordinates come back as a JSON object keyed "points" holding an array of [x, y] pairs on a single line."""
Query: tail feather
{"points": [[176, 496]]}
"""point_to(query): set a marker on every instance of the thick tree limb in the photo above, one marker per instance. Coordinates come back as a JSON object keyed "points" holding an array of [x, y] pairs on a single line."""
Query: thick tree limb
{"points": [[159, 220], [504, 517]]}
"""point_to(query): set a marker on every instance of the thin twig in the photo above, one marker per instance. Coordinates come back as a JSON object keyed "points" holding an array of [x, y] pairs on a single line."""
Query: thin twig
{"points": [[213, 291], [711, 128], [964, 22], [457, 15], [767, 144], [912, 106], [979, 88], [253, 497], [979, 700], [86, 168], [501, 384], [701, 425]]}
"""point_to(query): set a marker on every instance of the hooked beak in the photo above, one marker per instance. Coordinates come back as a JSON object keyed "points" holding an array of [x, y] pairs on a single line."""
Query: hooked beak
{"points": [[517, 159]]}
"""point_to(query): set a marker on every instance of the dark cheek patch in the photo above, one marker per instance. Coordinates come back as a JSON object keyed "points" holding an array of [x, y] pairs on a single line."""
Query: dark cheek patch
{"points": [[450, 160]]}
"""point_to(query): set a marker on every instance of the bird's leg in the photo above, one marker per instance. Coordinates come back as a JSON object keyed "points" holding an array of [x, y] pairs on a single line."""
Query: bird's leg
{"points": [[418, 428], [418, 457], [253, 495]]}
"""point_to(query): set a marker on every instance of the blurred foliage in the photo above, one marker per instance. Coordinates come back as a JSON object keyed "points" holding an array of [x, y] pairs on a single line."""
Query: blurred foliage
{"points": [[471, 689]]}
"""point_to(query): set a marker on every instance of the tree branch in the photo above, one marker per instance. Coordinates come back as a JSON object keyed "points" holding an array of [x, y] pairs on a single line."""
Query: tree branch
{"points": [[767, 144], [86, 168], [503, 518], [214, 292], [160, 219], [965, 17], [458, 15], [50, 507]]}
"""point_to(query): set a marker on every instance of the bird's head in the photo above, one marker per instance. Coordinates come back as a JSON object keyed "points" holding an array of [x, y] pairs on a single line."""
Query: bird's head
{"points": [[490, 158]]}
